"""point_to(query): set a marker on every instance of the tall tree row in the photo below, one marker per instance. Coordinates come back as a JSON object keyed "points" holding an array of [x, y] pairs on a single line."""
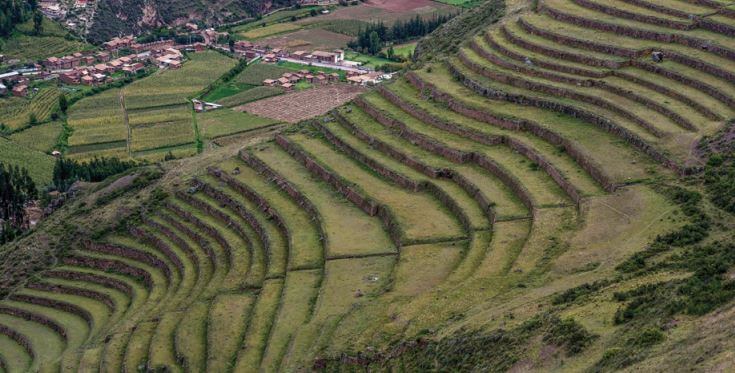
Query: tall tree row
{"points": [[13, 12], [372, 38], [16, 190]]}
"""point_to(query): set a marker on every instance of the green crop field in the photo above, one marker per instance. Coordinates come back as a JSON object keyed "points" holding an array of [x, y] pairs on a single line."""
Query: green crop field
{"points": [[275, 29], [250, 95], [534, 193], [41, 137], [39, 165], [223, 122], [15, 112]]}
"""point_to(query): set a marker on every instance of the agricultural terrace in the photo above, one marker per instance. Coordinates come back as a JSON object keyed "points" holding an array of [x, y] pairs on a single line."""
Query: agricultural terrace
{"points": [[16, 112], [42, 137], [147, 118], [512, 188], [25, 45]]}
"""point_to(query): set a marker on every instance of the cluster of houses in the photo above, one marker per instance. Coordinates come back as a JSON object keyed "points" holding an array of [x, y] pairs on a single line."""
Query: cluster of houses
{"points": [[288, 81], [19, 84]]}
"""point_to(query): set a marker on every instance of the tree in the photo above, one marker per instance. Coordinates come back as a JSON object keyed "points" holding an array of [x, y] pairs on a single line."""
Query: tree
{"points": [[32, 119], [375, 43], [231, 43], [37, 22], [63, 103], [391, 53]]}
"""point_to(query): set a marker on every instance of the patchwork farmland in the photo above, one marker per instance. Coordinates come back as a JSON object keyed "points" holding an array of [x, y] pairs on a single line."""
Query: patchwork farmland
{"points": [[147, 118], [467, 194]]}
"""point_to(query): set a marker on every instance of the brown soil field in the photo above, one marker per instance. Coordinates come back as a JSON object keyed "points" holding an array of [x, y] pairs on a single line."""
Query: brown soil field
{"points": [[298, 106], [309, 39]]}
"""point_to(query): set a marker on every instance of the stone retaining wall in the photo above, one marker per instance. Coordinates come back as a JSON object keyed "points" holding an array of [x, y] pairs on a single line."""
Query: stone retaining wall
{"points": [[110, 265]]}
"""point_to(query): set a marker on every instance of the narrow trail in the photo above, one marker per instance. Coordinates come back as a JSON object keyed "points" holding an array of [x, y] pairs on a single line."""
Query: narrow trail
{"points": [[127, 123]]}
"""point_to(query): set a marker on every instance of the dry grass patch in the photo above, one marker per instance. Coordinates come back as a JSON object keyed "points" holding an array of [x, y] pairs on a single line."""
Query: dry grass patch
{"points": [[422, 267]]}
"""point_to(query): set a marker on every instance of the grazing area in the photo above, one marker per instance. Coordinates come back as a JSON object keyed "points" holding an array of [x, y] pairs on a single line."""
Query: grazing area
{"points": [[297, 106], [549, 187]]}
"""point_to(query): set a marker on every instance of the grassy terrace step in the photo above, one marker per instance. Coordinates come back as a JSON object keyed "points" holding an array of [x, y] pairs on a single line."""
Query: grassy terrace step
{"points": [[296, 306], [420, 216], [408, 95], [204, 255], [90, 360], [566, 24], [411, 275], [554, 34], [190, 338], [14, 356], [610, 122], [506, 204], [260, 325], [595, 143], [228, 318], [190, 255], [46, 344], [723, 44], [155, 281], [675, 106], [177, 255], [273, 257], [98, 312], [249, 262], [152, 256], [307, 250], [273, 228], [220, 239], [349, 230], [343, 278], [479, 215], [114, 353], [542, 189], [134, 293], [512, 42], [162, 354], [119, 302], [704, 28], [137, 347], [655, 123]]}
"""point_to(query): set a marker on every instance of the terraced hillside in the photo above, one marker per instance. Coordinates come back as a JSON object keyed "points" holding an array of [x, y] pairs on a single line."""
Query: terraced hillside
{"points": [[499, 190]]}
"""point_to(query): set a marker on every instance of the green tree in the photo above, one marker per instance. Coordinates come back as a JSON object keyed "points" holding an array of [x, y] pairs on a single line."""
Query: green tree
{"points": [[37, 22], [231, 43], [63, 103], [375, 43], [32, 119]]}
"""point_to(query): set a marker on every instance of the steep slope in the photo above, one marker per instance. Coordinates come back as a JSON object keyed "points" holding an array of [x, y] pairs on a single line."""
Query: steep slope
{"points": [[540, 200], [117, 17]]}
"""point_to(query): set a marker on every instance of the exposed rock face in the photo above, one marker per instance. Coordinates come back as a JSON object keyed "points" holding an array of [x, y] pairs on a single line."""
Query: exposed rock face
{"points": [[121, 17]]}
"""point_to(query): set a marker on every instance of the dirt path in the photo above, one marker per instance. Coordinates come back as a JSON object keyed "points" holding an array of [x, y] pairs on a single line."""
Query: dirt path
{"points": [[128, 140]]}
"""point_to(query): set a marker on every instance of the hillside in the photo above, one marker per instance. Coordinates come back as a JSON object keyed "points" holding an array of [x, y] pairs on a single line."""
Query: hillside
{"points": [[551, 188], [116, 17]]}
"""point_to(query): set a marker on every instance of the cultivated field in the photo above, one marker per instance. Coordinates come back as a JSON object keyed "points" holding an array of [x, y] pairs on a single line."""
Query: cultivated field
{"points": [[39, 165], [15, 112], [297, 106], [527, 204], [41, 137], [147, 118]]}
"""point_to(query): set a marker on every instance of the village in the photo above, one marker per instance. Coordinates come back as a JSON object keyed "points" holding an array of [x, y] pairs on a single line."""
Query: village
{"points": [[124, 57]]}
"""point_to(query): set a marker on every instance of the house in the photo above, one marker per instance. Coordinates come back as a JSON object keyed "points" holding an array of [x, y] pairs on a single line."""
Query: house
{"points": [[299, 55], [192, 26], [327, 57], [3, 90], [288, 87], [269, 82], [283, 81], [102, 56], [321, 79], [133, 69], [115, 65], [174, 64], [309, 78], [20, 90], [333, 77], [70, 78], [119, 43], [270, 58], [87, 80], [125, 60], [52, 63], [88, 60], [99, 78]]}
